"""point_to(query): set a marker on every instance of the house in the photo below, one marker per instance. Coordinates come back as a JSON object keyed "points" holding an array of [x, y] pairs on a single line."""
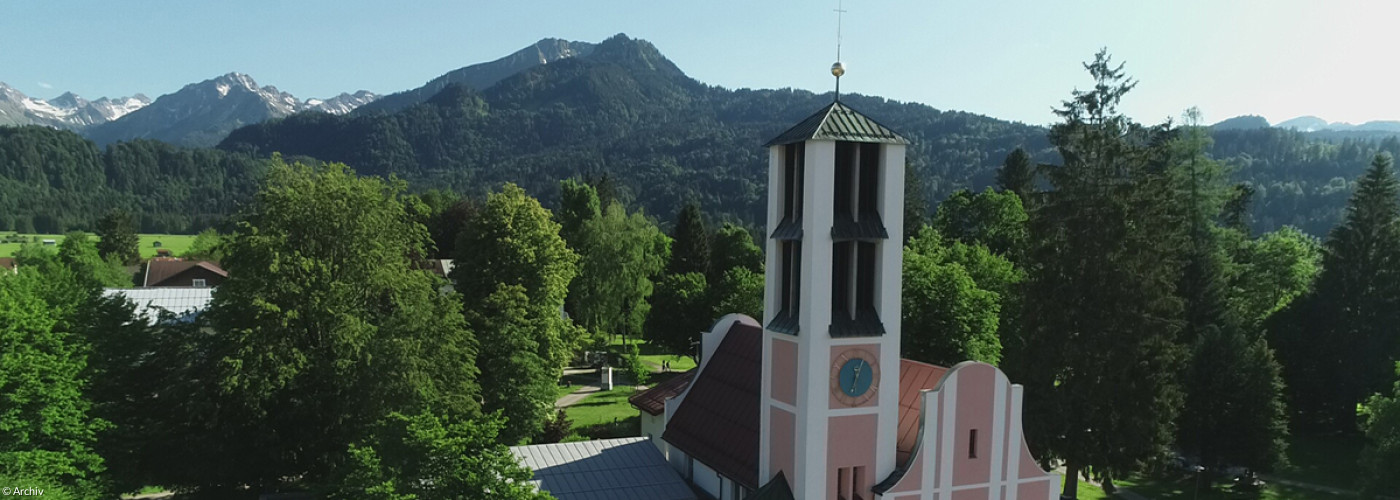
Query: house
{"points": [[182, 304], [814, 401], [168, 272], [656, 406], [8, 264], [440, 267], [609, 469]]}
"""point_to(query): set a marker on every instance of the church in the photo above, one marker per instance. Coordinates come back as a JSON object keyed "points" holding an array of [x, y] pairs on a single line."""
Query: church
{"points": [[813, 401]]}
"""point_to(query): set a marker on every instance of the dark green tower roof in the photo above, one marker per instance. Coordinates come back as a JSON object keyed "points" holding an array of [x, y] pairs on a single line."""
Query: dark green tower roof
{"points": [[838, 122]]}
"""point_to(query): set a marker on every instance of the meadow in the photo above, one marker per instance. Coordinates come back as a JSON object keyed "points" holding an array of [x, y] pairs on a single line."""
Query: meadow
{"points": [[176, 243]]}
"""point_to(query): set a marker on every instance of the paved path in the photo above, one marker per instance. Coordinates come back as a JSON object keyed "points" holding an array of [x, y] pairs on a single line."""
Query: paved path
{"points": [[573, 398]]}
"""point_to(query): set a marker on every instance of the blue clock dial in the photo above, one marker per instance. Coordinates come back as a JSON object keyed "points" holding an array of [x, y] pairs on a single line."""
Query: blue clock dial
{"points": [[856, 377]]}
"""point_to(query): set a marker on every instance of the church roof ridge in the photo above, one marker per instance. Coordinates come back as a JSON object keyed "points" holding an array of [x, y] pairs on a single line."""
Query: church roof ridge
{"points": [[838, 122]]}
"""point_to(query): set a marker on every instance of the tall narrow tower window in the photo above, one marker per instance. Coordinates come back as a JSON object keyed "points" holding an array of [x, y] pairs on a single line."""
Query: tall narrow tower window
{"points": [[867, 191], [789, 236], [792, 182], [856, 193], [790, 287], [857, 232]]}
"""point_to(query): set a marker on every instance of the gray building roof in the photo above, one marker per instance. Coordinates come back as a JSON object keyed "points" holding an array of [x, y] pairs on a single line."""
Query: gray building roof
{"points": [[609, 469], [184, 303], [838, 122]]}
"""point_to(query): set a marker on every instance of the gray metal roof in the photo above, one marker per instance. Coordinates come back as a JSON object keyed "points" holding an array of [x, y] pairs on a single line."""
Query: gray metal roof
{"points": [[838, 122], [183, 302], [609, 469]]}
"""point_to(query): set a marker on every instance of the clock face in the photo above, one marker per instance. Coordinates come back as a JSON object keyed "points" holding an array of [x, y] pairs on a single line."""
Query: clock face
{"points": [[854, 377]]}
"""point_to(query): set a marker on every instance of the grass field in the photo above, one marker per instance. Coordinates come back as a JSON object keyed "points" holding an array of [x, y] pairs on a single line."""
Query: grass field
{"points": [[176, 243], [1183, 488], [605, 414]]}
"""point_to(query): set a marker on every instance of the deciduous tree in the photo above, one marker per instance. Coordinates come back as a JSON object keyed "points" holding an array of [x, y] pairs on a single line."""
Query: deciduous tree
{"points": [[512, 240], [327, 325]]}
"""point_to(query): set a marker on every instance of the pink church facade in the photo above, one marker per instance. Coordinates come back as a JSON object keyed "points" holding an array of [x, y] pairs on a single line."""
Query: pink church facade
{"points": [[969, 445]]}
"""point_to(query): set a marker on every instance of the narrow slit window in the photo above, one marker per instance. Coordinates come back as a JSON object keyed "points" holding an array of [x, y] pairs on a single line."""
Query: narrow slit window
{"points": [[845, 181], [858, 485], [972, 444], [865, 277], [792, 182], [792, 277], [843, 483], [869, 181], [842, 285]]}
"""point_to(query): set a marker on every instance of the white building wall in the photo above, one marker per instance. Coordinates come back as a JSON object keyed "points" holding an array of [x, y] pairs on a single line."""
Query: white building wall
{"points": [[813, 379], [707, 480], [888, 288], [652, 428]]}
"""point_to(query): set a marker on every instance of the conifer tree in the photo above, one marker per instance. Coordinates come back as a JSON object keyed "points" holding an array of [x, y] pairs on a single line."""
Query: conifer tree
{"points": [[1358, 297], [1101, 311], [1016, 174], [119, 239], [690, 246]]}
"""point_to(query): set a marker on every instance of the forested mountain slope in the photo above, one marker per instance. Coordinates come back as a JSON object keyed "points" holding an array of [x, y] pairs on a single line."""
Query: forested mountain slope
{"points": [[623, 110]]}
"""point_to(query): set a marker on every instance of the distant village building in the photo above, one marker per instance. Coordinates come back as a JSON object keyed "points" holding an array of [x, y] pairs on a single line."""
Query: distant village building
{"points": [[181, 304], [168, 272], [815, 402], [8, 264]]}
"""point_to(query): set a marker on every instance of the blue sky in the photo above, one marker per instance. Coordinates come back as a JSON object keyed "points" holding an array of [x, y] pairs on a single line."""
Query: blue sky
{"points": [[1009, 59]]}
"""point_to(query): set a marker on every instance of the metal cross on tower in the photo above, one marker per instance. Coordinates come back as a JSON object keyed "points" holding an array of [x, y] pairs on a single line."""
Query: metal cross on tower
{"points": [[838, 69]]}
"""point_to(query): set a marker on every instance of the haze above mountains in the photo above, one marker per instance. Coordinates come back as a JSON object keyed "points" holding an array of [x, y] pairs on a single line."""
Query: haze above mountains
{"points": [[204, 113]]}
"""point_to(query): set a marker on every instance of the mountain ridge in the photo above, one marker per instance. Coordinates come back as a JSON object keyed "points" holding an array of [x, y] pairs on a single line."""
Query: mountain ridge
{"points": [[202, 113], [68, 110]]}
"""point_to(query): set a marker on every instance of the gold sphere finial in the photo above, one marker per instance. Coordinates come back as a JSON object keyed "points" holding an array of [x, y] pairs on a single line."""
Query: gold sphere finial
{"points": [[838, 69]]}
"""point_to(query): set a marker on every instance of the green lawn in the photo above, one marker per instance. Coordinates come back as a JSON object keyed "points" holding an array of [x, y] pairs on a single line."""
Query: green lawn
{"points": [[1182, 488], [1088, 491], [176, 243], [606, 414], [678, 363]]}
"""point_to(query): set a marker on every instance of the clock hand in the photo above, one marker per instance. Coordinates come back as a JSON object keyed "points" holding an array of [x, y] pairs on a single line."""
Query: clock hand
{"points": [[855, 379]]}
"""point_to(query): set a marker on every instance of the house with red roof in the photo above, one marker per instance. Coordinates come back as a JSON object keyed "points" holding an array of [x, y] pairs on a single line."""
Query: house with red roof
{"points": [[814, 401], [170, 272], [8, 264]]}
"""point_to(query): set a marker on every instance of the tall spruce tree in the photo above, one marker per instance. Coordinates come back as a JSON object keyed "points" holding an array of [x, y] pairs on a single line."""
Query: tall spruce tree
{"points": [[1359, 296], [690, 242], [1233, 412], [1016, 174], [119, 239], [1101, 368]]}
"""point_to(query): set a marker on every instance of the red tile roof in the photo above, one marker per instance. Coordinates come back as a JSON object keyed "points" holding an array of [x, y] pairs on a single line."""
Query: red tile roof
{"points": [[717, 424], [653, 400], [158, 270], [7, 263], [914, 378]]}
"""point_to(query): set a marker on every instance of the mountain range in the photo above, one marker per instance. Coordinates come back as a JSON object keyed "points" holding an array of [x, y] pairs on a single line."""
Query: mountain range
{"points": [[199, 114], [1308, 124], [617, 110], [65, 111], [202, 114]]}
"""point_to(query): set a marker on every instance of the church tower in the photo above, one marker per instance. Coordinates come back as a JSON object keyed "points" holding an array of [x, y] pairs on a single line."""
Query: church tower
{"points": [[830, 390]]}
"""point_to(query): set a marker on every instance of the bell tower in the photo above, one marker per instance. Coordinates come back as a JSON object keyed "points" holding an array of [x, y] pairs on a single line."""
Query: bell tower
{"points": [[830, 392]]}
